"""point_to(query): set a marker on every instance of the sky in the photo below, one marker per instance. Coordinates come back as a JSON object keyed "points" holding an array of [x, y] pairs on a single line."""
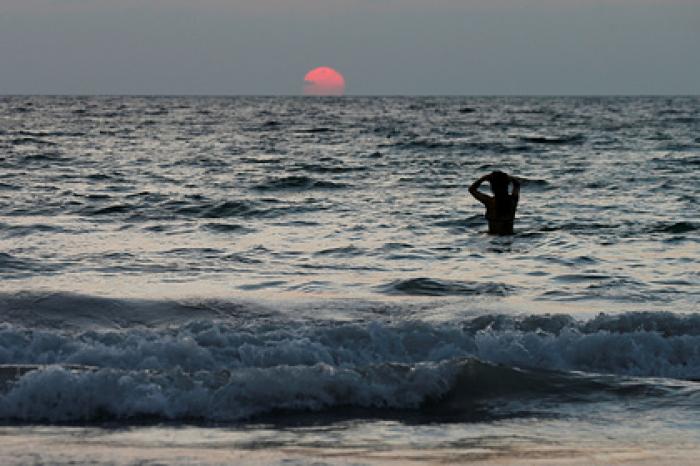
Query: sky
{"points": [[382, 47]]}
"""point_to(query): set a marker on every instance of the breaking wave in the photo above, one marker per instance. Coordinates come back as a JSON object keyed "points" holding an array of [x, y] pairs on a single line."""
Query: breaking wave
{"points": [[118, 359]]}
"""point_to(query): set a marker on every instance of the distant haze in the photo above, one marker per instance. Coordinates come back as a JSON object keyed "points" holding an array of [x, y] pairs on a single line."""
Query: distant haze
{"points": [[466, 47]]}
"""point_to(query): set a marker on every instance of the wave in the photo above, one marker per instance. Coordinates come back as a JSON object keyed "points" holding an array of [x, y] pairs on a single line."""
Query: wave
{"points": [[40, 134], [672, 228], [320, 129], [537, 139], [536, 184], [682, 119], [433, 287], [12, 266], [157, 207], [55, 328], [227, 209], [52, 157], [581, 227], [471, 146], [297, 183], [26, 109], [331, 166], [676, 228], [11, 230], [74, 393], [681, 161], [462, 224], [8, 262], [66, 358], [20, 141], [342, 251], [109, 210], [226, 228]]}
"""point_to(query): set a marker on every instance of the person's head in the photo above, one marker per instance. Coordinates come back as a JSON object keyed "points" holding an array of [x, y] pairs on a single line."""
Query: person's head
{"points": [[499, 184]]}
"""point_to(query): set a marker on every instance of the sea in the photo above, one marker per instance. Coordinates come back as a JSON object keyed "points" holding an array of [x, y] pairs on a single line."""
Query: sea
{"points": [[298, 280]]}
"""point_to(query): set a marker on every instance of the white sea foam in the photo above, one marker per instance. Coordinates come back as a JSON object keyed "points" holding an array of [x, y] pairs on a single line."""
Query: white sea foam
{"points": [[230, 368], [616, 347], [58, 394]]}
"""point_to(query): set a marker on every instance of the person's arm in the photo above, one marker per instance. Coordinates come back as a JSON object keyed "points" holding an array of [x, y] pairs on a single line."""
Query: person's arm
{"points": [[474, 190], [516, 188]]}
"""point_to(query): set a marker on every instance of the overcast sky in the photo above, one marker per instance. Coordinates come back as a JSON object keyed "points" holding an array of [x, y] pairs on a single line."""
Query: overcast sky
{"points": [[466, 47]]}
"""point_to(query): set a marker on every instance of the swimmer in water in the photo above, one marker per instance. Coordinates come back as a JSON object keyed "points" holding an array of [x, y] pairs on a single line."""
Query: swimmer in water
{"points": [[500, 209]]}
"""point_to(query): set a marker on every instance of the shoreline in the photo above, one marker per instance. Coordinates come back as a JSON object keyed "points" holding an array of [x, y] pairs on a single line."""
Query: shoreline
{"points": [[64, 445]]}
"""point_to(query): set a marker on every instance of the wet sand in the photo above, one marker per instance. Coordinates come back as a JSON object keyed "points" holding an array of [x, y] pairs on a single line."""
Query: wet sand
{"points": [[72, 445]]}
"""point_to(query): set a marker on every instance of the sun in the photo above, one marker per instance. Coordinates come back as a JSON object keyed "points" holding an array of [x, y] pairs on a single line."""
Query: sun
{"points": [[324, 81]]}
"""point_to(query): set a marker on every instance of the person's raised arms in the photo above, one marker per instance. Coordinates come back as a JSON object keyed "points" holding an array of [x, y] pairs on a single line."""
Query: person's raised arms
{"points": [[516, 188], [474, 190]]}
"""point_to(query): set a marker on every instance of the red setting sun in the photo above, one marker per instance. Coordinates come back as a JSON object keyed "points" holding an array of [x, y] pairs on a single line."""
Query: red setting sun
{"points": [[324, 81]]}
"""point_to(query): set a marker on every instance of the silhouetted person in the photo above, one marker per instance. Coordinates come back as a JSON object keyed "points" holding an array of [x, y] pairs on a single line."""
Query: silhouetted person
{"points": [[500, 209]]}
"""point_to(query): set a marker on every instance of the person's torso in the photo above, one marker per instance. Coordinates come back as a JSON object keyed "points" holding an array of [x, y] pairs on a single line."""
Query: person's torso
{"points": [[501, 216]]}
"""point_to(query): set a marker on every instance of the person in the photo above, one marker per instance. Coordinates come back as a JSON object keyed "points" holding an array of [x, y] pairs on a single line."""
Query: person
{"points": [[500, 209]]}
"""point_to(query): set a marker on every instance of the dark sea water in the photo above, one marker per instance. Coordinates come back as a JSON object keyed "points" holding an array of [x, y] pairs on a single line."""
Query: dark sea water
{"points": [[311, 276]]}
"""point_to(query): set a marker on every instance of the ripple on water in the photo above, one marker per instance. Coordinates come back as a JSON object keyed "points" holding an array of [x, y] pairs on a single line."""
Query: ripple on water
{"points": [[299, 183], [675, 228], [226, 228], [12, 266], [424, 286], [569, 139], [344, 251]]}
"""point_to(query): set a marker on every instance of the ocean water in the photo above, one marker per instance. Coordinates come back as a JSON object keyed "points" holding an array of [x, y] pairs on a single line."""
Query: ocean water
{"points": [[290, 280]]}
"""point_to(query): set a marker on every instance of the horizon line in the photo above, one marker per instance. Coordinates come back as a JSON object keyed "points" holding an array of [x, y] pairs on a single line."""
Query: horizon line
{"points": [[301, 96]]}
